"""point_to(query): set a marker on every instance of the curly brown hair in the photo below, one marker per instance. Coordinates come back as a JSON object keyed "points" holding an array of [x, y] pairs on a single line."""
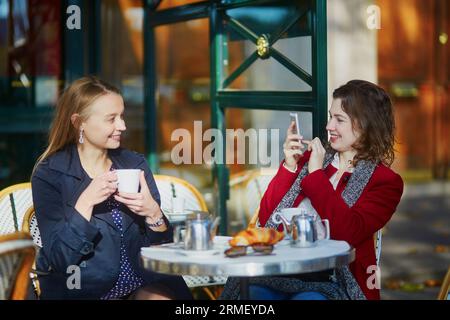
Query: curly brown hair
{"points": [[370, 110]]}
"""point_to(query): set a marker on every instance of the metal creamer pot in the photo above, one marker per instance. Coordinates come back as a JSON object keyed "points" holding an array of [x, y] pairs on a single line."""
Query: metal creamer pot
{"points": [[200, 231], [302, 229]]}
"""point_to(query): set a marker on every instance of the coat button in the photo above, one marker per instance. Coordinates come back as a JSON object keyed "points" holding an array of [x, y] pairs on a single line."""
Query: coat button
{"points": [[87, 248]]}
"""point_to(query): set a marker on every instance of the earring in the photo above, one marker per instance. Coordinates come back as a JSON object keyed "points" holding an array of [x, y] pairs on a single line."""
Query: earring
{"points": [[81, 140]]}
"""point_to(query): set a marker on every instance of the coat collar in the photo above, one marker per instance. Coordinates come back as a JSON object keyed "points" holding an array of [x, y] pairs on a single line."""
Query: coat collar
{"points": [[67, 160]]}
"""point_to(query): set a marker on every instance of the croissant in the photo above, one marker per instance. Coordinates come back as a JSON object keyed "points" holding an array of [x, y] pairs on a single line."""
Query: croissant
{"points": [[256, 235]]}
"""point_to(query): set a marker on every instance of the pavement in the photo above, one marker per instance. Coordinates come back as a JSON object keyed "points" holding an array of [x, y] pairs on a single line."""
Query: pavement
{"points": [[416, 243]]}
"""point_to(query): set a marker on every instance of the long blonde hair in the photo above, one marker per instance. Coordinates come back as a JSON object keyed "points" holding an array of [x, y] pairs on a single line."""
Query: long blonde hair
{"points": [[76, 99]]}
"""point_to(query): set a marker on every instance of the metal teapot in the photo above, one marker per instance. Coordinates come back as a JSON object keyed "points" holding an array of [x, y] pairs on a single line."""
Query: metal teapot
{"points": [[303, 229], [200, 231]]}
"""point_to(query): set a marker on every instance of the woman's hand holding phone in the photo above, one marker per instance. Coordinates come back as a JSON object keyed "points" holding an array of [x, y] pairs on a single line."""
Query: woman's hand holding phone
{"points": [[292, 147]]}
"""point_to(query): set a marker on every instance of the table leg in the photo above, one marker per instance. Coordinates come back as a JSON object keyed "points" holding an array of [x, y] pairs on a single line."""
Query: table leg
{"points": [[244, 290]]}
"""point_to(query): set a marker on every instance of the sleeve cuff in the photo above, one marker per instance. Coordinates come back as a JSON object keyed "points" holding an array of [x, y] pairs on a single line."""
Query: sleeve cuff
{"points": [[163, 236], [79, 234], [285, 176]]}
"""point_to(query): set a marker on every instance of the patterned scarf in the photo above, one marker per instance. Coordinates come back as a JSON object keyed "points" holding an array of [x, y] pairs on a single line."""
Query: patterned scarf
{"points": [[345, 285]]}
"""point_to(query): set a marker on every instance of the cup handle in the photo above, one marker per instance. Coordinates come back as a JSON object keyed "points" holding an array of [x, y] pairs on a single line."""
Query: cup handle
{"points": [[275, 218], [326, 222], [177, 234]]}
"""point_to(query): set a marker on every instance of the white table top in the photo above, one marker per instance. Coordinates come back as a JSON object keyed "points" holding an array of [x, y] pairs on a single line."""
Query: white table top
{"points": [[326, 254]]}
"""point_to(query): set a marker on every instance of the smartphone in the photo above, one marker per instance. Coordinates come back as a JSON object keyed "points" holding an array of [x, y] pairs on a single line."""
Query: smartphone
{"points": [[294, 117]]}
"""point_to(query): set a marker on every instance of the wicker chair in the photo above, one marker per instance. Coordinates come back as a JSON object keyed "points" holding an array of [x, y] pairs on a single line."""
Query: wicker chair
{"points": [[167, 186], [17, 253], [246, 191], [30, 226], [255, 187], [444, 293], [237, 214], [378, 238], [14, 202]]}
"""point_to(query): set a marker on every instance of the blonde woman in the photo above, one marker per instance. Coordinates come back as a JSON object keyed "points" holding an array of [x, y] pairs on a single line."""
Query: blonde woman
{"points": [[85, 224]]}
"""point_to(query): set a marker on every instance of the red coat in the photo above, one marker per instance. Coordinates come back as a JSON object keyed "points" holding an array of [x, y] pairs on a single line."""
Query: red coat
{"points": [[356, 225]]}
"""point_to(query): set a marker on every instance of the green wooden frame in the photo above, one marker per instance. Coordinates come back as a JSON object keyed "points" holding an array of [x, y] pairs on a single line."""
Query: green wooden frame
{"points": [[314, 101]]}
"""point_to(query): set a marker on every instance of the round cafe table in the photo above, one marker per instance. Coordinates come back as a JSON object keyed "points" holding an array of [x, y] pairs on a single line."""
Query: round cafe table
{"points": [[172, 259]]}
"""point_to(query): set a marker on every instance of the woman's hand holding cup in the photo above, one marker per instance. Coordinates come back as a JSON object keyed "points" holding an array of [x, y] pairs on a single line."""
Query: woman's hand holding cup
{"points": [[141, 203], [100, 189]]}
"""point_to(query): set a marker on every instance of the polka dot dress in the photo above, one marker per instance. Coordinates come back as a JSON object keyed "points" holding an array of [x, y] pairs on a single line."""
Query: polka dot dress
{"points": [[128, 281]]}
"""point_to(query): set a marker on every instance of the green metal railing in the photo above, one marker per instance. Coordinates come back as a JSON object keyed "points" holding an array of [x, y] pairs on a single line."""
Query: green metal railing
{"points": [[249, 34], [314, 101]]}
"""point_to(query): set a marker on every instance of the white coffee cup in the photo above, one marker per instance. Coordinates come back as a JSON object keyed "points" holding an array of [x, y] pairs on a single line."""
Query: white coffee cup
{"points": [[286, 213], [128, 180]]}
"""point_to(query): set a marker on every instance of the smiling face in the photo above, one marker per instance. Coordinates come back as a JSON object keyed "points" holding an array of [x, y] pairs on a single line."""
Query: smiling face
{"points": [[104, 125], [342, 134]]}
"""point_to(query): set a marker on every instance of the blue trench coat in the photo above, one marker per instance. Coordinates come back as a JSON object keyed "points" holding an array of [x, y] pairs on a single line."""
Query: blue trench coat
{"points": [[94, 246]]}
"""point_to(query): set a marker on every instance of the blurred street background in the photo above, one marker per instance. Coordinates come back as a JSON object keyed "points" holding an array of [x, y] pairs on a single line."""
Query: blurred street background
{"points": [[416, 243]]}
